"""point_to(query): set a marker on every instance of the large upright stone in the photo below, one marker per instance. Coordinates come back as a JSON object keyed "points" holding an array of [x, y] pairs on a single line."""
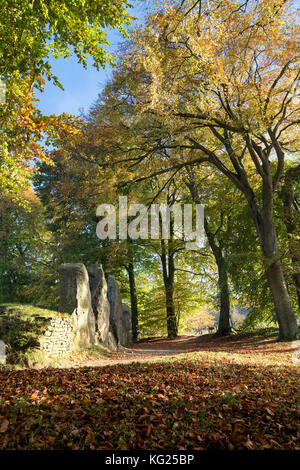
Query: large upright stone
{"points": [[111, 340], [100, 303], [116, 311], [75, 299], [127, 322]]}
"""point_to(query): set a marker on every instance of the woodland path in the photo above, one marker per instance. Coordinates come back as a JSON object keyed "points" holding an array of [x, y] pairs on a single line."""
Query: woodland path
{"points": [[151, 349]]}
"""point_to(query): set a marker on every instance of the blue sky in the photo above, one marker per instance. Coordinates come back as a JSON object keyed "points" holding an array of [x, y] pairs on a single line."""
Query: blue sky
{"points": [[81, 86]]}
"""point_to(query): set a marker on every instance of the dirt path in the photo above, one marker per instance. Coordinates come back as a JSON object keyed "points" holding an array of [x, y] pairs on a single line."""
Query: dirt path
{"points": [[147, 350]]}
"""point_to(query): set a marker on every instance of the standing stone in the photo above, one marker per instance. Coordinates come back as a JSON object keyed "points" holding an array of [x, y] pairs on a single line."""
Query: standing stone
{"points": [[116, 313], [75, 299], [100, 303], [127, 322], [111, 340]]}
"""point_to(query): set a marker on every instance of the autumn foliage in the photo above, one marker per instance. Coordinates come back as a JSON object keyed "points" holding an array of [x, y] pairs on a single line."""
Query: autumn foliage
{"points": [[229, 395]]}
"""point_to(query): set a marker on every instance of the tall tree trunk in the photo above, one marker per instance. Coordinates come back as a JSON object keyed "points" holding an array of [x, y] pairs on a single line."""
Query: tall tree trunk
{"points": [[133, 301], [285, 315], [268, 241], [263, 219], [168, 268], [291, 219], [170, 308], [224, 327]]}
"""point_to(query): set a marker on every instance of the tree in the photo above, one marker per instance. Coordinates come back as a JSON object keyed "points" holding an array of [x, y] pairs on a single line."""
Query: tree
{"points": [[216, 243], [133, 301], [33, 30], [231, 105], [25, 252], [291, 218], [30, 32]]}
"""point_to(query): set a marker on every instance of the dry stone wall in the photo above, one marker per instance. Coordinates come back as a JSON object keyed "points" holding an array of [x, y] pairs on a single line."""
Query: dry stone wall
{"points": [[58, 337]]}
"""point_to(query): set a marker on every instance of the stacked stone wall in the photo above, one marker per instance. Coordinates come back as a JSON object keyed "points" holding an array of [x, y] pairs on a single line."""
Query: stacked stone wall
{"points": [[58, 337]]}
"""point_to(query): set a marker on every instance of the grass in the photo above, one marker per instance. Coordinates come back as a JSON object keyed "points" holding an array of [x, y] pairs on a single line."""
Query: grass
{"points": [[28, 311], [21, 326], [36, 359], [260, 329]]}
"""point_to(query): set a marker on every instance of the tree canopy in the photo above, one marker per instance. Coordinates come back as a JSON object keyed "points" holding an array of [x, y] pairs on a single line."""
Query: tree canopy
{"points": [[30, 33]]}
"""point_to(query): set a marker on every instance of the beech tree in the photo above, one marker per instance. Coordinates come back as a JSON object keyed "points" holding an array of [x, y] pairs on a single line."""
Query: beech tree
{"points": [[214, 230], [222, 88]]}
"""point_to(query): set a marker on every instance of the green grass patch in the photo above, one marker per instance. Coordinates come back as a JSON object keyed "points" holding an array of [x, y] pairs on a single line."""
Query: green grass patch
{"points": [[249, 331], [20, 328]]}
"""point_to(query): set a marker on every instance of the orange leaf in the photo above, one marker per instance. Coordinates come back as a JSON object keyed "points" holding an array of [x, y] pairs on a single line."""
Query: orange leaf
{"points": [[4, 425]]}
